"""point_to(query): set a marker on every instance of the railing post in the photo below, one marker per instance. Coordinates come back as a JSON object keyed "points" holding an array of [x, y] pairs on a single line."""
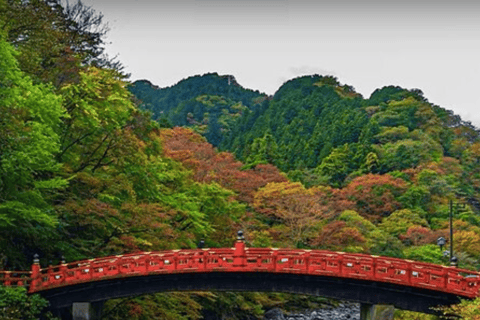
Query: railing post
{"points": [[409, 273], [6, 280], [63, 269], [175, 261], [307, 262], [239, 253], [204, 259], [445, 278], [35, 274], [274, 257], [340, 264], [147, 265]]}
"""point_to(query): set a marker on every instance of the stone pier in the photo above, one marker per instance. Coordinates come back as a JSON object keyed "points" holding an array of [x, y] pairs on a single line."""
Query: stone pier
{"points": [[376, 311], [87, 310]]}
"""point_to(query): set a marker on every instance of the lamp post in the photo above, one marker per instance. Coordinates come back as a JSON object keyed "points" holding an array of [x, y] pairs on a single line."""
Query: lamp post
{"points": [[453, 259], [441, 242]]}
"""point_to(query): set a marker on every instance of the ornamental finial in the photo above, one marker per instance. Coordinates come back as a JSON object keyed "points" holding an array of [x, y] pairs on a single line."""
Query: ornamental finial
{"points": [[240, 236]]}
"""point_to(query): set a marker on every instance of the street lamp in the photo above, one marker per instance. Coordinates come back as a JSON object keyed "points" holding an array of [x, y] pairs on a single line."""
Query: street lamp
{"points": [[453, 259], [441, 242], [453, 262]]}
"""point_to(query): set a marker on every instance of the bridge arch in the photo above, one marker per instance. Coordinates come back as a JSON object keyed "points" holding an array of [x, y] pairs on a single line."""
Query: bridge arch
{"points": [[362, 278], [361, 291]]}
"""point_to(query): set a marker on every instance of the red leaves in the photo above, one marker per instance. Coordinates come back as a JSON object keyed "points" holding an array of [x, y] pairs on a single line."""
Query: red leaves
{"points": [[337, 235], [418, 235], [195, 153], [374, 195]]}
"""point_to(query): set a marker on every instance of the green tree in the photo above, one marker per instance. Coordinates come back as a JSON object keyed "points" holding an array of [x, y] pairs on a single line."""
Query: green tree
{"points": [[99, 108], [262, 151], [55, 40], [31, 116], [336, 165], [426, 253], [399, 222], [15, 304], [466, 309]]}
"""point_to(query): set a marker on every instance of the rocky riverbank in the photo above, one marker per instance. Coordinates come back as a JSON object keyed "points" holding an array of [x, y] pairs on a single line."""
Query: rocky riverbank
{"points": [[344, 311]]}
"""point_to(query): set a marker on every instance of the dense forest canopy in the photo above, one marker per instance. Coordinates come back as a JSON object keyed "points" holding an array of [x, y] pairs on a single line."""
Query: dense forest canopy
{"points": [[93, 165]]}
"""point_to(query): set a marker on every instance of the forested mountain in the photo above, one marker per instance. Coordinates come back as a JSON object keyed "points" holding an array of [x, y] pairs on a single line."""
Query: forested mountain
{"points": [[86, 172], [316, 129], [305, 120], [210, 103]]}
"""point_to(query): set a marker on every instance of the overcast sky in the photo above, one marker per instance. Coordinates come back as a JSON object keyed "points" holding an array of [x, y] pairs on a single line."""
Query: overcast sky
{"points": [[430, 45]]}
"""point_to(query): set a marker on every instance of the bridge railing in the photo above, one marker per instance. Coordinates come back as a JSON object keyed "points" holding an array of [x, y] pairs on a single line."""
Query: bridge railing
{"points": [[16, 278], [241, 259], [360, 266]]}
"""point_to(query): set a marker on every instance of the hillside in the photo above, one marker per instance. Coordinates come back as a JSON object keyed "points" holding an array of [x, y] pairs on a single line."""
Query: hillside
{"points": [[372, 175], [394, 160], [311, 122]]}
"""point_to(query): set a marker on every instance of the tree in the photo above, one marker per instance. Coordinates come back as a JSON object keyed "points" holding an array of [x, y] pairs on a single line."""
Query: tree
{"points": [[374, 195], [99, 108], [210, 166], [53, 40], [290, 204], [165, 306], [407, 153], [400, 221], [418, 235], [391, 134], [426, 253], [468, 242], [466, 309], [262, 151], [353, 219], [336, 165], [31, 115], [15, 304], [338, 236]]}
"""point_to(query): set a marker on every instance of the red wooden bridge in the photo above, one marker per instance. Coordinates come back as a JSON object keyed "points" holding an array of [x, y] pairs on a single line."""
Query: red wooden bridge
{"points": [[348, 276]]}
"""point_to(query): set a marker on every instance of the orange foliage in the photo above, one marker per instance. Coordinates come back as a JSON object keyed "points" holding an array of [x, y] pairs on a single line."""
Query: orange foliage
{"points": [[117, 230], [374, 195], [451, 166], [419, 236], [195, 153], [416, 235], [337, 235], [289, 203]]}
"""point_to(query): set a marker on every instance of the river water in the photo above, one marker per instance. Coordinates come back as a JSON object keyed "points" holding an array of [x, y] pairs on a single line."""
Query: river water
{"points": [[344, 311]]}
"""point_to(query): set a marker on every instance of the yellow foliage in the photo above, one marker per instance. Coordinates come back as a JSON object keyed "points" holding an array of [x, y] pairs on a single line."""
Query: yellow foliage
{"points": [[467, 241]]}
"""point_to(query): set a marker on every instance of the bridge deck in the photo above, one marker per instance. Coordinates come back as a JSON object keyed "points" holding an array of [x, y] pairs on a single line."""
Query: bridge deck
{"points": [[314, 264]]}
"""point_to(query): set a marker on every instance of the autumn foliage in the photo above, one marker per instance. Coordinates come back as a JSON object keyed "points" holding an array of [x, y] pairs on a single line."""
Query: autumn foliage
{"points": [[375, 195], [338, 236], [208, 165]]}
